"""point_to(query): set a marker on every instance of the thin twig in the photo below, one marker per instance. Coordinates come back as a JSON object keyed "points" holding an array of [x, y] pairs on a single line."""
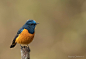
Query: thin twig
{"points": [[25, 52]]}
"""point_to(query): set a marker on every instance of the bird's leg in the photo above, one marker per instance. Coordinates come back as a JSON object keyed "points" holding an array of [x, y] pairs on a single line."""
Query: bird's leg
{"points": [[28, 47], [21, 46], [24, 47]]}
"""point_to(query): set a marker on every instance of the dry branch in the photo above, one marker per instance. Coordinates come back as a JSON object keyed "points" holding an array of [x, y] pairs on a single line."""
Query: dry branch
{"points": [[25, 52]]}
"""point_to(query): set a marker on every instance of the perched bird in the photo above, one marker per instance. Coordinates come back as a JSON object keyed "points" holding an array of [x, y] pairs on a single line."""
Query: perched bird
{"points": [[25, 34]]}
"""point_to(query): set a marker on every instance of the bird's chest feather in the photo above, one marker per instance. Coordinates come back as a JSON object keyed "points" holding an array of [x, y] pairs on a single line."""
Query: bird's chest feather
{"points": [[25, 37]]}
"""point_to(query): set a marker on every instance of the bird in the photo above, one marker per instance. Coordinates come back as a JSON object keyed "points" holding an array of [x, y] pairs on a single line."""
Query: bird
{"points": [[25, 34]]}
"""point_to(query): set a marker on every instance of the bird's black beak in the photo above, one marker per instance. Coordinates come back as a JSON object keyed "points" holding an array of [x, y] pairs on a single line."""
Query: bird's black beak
{"points": [[37, 23]]}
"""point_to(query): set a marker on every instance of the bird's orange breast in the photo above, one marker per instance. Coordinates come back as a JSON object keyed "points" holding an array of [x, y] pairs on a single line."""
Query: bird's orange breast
{"points": [[24, 37]]}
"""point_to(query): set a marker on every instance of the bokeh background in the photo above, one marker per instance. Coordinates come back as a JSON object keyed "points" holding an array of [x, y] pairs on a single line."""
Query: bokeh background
{"points": [[61, 33]]}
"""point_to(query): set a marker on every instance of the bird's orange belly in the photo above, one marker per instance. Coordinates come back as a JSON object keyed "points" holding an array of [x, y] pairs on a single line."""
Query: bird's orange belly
{"points": [[25, 37]]}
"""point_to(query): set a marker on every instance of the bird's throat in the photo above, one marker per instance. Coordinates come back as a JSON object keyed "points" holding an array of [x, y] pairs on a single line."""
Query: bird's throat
{"points": [[31, 30]]}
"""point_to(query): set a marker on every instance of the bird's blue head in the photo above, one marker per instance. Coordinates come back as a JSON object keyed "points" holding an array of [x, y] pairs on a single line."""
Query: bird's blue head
{"points": [[30, 25]]}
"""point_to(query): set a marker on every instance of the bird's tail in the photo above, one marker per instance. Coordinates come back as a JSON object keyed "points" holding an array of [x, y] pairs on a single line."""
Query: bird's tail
{"points": [[13, 45]]}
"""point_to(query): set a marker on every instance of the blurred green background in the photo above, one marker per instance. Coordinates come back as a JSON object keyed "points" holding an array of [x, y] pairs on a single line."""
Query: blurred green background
{"points": [[60, 34]]}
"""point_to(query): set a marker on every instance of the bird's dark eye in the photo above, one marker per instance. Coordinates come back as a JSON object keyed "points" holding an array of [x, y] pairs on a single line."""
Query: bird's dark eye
{"points": [[31, 24]]}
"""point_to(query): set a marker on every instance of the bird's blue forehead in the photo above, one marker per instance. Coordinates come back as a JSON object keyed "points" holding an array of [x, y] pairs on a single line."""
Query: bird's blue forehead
{"points": [[31, 21]]}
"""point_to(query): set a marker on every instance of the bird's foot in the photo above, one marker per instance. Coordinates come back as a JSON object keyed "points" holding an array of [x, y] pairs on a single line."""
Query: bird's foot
{"points": [[25, 47]]}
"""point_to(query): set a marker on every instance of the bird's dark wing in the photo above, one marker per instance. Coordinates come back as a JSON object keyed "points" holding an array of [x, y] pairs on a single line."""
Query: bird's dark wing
{"points": [[14, 43], [15, 38]]}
